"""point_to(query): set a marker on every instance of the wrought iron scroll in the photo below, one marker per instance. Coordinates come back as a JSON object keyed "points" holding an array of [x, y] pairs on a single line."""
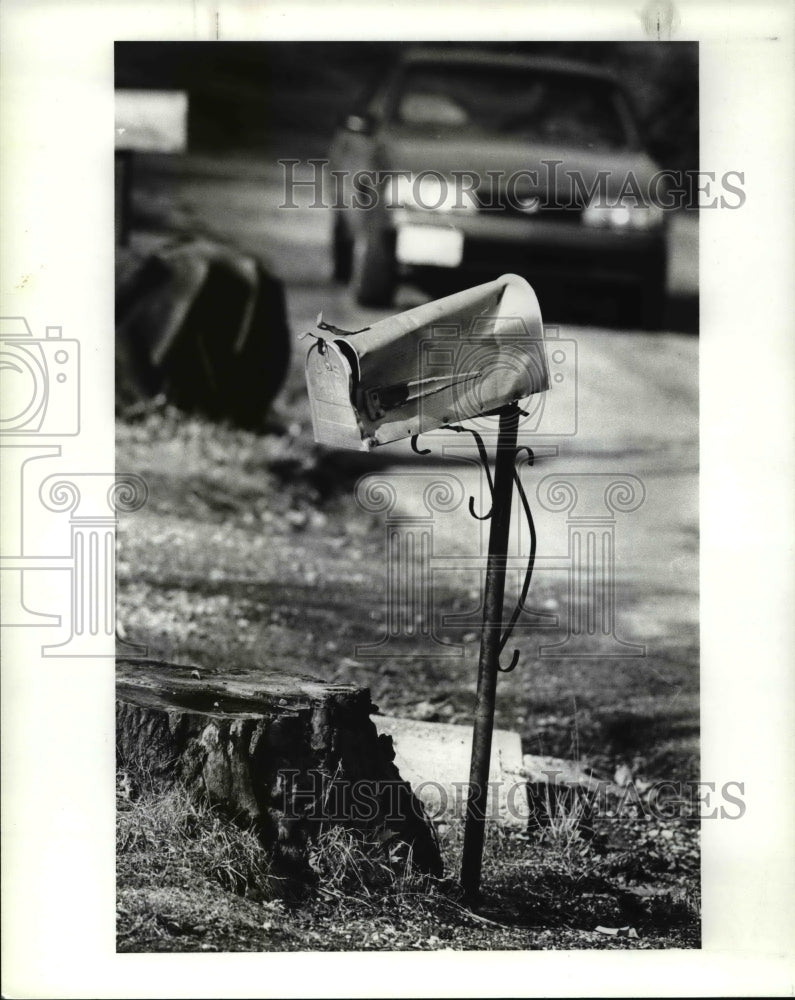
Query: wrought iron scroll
{"points": [[484, 460]]}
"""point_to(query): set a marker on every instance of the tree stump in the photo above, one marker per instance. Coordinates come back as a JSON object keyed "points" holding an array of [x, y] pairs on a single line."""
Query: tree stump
{"points": [[285, 755]]}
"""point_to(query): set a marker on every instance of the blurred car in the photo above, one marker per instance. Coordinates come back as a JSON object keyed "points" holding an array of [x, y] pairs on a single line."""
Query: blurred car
{"points": [[472, 163]]}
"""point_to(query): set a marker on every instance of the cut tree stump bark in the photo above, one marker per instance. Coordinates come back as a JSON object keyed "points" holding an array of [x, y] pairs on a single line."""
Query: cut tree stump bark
{"points": [[285, 755]]}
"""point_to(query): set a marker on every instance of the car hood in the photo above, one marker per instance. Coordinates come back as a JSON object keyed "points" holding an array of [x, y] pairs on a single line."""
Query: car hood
{"points": [[396, 150]]}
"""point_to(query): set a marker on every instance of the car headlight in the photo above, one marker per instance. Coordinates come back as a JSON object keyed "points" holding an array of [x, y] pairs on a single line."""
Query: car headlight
{"points": [[600, 216], [433, 192]]}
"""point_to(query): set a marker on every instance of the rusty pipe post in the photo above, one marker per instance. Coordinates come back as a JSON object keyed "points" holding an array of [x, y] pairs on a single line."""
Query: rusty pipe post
{"points": [[488, 666]]}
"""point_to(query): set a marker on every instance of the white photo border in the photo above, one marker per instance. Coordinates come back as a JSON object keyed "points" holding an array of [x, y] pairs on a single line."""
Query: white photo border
{"points": [[57, 720]]}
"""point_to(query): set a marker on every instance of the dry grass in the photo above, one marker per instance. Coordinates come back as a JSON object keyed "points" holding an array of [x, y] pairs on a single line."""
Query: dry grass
{"points": [[349, 864], [170, 837], [190, 880]]}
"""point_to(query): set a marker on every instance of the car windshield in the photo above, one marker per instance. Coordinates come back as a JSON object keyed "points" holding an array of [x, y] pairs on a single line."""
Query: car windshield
{"points": [[522, 103]]}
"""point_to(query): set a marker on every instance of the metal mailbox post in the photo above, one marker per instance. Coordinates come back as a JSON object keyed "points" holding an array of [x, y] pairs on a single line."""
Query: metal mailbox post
{"points": [[472, 354]]}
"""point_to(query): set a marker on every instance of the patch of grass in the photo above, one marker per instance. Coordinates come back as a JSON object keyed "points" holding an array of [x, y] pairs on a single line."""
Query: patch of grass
{"points": [[190, 880], [163, 833], [567, 825], [351, 865]]}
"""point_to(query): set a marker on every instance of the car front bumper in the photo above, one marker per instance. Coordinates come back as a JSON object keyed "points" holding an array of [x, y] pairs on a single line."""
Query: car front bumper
{"points": [[493, 242]]}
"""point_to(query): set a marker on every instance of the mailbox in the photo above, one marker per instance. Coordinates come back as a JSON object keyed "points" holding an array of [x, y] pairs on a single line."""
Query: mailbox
{"points": [[454, 359], [471, 354]]}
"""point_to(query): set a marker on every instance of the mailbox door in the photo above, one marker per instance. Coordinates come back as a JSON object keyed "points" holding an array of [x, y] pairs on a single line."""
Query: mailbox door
{"points": [[330, 383]]}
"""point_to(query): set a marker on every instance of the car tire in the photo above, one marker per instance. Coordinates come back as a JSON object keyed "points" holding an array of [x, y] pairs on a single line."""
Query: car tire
{"points": [[652, 298], [373, 271], [341, 251], [204, 325]]}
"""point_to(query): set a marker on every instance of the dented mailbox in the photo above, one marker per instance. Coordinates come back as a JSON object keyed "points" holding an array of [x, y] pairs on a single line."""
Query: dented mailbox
{"points": [[453, 359]]}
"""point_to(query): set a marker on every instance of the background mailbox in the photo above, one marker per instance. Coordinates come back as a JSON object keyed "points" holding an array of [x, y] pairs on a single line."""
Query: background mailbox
{"points": [[459, 357]]}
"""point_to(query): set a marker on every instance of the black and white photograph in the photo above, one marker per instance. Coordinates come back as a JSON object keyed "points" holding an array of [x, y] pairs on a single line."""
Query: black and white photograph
{"points": [[483, 258], [402, 571]]}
